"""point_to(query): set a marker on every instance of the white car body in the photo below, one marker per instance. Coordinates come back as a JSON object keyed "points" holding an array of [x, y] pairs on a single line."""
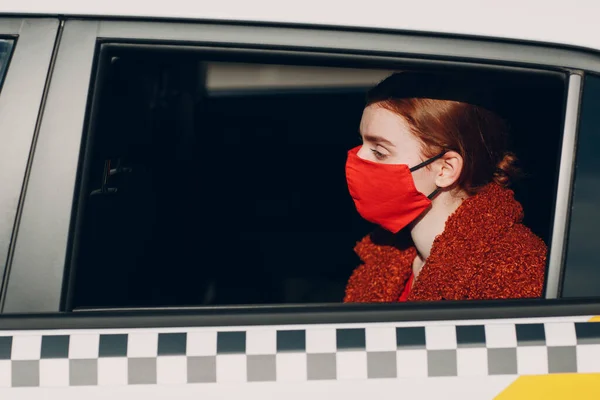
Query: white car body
{"points": [[573, 25]]}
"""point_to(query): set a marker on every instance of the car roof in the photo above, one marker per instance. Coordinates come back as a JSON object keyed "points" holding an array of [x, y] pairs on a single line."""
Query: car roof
{"points": [[572, 23]]}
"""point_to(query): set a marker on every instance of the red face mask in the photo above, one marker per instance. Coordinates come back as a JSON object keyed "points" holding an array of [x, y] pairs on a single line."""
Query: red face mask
{"points": [[385, 194]]}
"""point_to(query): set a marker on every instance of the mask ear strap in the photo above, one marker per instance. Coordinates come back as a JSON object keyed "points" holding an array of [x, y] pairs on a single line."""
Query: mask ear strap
{"points": [[432, 195], [427, 162]]}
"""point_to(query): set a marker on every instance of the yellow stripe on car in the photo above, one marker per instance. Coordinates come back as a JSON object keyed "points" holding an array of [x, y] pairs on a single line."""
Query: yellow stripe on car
{"points": [[553, 387]]}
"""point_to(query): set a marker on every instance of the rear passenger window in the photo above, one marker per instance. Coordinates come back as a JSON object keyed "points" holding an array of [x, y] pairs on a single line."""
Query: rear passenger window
{"points": [[209, 179], [582, 269], [5, 51]]}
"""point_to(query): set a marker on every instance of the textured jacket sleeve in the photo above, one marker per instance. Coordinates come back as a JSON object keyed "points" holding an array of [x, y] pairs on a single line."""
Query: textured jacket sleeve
{"points": [[514, 268], [382, 275]]}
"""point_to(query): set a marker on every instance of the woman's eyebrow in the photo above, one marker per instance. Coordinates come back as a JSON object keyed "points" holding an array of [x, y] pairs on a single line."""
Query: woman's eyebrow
{"points": [[377, 139]]}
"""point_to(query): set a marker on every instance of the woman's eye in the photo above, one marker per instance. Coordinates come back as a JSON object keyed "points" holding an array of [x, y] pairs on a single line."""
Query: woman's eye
{"points": [[378, 155]]}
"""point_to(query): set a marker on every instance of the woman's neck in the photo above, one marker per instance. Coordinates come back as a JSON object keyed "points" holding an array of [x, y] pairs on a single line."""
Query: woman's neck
{"points": [[431, 224]]}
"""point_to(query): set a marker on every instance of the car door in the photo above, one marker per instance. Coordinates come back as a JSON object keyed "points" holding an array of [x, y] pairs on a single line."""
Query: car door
{"points": [[472, 349]]}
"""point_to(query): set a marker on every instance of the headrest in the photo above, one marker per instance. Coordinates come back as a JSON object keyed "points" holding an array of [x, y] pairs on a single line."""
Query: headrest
{"points": [[471, 88]]}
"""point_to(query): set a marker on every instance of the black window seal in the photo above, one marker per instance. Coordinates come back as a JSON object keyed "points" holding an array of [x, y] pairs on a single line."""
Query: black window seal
{"points": [[303, 314]]}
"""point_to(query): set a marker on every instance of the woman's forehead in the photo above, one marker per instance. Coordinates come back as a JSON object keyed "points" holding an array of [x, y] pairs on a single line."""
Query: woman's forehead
{"points": [[381, 122]]}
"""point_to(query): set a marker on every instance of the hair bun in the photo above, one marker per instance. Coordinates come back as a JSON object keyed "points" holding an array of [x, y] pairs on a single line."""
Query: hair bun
{"points": [[506, 170]]}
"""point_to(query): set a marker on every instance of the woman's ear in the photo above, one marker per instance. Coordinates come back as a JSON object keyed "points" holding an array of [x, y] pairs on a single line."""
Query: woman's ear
{"points": [[449, 168]]}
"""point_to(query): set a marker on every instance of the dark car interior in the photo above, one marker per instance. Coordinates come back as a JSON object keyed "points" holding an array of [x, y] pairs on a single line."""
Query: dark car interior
{"points": [[193, 198]]}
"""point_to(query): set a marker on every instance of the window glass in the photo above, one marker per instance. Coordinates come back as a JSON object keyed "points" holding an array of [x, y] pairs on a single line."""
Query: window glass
{"points": [[5, 51], [210, 180], [582, 274]]}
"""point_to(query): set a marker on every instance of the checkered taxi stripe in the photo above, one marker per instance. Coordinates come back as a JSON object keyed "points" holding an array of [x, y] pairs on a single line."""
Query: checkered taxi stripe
{"points": [[276, 354]]}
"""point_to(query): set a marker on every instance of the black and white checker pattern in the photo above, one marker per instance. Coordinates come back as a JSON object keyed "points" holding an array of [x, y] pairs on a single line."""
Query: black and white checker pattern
{"points": [[280, 354]]}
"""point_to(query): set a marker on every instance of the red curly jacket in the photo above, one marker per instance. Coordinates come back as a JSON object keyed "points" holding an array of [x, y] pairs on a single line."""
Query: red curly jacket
{"points": [[485, 252]]}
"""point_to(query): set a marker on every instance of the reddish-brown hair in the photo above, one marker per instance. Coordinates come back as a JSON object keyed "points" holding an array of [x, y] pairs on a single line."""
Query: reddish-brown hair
{"points": [[478, 135]]}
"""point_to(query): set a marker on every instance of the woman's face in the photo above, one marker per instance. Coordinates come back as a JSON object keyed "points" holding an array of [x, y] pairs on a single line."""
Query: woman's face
{"points": [[387, 139]]}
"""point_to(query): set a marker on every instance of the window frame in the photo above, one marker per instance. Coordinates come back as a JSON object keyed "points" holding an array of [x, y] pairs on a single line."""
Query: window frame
{"points": [[37, 277], [21, 96], [475, 312]]}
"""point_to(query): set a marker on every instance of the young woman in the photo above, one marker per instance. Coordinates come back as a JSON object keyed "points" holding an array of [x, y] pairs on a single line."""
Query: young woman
{"points": [[433, 172]]}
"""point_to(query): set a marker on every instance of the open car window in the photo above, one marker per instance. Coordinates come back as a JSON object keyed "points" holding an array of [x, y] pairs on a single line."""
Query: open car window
{"points": [[219, 180]]}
